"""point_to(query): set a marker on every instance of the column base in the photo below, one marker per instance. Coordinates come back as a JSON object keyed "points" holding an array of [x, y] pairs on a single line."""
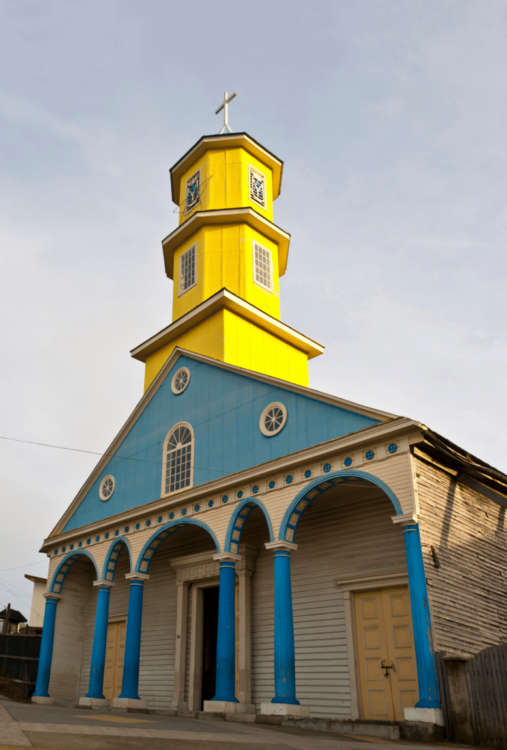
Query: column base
{"points": [[43, 700], [128, 704], [425, 715], [94, 702], [285, 709], [228, 707]]}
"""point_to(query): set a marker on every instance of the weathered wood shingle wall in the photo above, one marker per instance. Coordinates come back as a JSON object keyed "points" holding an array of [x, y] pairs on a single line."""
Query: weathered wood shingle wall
{"points": [[468, 593]]}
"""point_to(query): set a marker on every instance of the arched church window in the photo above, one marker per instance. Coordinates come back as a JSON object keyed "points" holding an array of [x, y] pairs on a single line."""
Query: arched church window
{"points": [[178, 463]]}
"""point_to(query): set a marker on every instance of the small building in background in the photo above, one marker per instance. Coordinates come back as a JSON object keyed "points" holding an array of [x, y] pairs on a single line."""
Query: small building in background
{"points": [[15, 619], [38, 603]]}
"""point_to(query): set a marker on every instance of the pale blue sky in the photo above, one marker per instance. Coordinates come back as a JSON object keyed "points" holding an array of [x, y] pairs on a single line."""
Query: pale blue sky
{"points": [[391, 117]]}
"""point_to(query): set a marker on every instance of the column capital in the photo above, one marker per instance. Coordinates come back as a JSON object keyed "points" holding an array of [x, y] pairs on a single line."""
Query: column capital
{"points": [[227, 557], [50, 595], [407, 519], [104, 584], [137, 576], [281, 546]]}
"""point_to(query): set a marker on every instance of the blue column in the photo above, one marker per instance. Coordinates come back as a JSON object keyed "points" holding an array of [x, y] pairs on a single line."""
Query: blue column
{"points": [[46, 648], [96, 684], [130, 684], [226, 638], [285, 660], [426, 669]]}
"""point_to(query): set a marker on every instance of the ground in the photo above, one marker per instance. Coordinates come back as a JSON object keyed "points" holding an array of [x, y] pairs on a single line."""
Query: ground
{"points": [[66, 728]]}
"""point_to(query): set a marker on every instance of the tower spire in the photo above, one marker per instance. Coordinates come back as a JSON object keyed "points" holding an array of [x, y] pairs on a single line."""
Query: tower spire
{"points": [[224, 106]]}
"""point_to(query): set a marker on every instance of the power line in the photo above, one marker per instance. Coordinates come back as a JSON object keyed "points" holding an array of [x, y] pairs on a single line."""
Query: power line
{"points": [[103, 455], [30, 565]]}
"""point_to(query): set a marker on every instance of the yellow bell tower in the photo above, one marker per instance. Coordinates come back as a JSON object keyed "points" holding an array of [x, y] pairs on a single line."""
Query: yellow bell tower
{"points": [[225, 259]]}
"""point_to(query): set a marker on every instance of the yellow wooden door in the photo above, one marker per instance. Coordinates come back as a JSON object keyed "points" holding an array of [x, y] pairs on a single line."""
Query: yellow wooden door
{"points": [[386, 655], [115, 654]]}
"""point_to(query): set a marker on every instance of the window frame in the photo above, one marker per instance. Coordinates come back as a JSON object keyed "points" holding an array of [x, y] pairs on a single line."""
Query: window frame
{"points": [[194, 206], [272, 274], [166, 493], [251, 170], [192, 248]]}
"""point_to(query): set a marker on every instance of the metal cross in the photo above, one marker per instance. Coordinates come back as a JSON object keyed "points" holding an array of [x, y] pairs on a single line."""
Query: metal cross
{"points": [[224, 106]]}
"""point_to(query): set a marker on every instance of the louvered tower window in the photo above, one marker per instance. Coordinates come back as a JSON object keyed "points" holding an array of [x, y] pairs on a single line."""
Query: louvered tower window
{"points": [[263, 267], [188, 276]]}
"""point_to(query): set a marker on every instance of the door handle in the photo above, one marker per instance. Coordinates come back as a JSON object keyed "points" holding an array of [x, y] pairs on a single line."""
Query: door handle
{"points": [[387, 667]]}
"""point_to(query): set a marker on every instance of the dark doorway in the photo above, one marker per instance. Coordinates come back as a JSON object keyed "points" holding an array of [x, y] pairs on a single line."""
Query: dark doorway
{"points": [[209, 642]]}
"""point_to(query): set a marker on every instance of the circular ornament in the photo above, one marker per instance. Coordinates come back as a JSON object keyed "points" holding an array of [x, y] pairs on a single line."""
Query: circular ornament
{"points": [[107, 534], [159, 519], [326, 467], [224, 498], [116, 532], [63, 549], [180, 380], [255, 489], [88, 541], [288, 479], [71, 546], [210, 503], [56, 551], [308, 474], [197, 508], [240, 494], [369, 455], [273, 419], [97, 538], [348, 462], [171, 516], [392, 448], [107, 488], [271, 484], [126, 529], [148, 522], [80, 544], [138, 526], [184, 512]]}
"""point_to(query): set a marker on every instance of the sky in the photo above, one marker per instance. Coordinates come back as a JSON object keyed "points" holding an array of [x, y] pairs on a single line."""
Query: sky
{"points": [[390, 117]]}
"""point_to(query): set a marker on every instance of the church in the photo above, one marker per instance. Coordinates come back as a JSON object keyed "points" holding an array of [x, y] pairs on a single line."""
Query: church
{"points": [[251, 546]]}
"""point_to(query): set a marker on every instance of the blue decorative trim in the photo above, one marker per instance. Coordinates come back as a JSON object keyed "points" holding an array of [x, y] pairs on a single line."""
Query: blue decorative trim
{"points": [[288, 479], [320, 485], [210, 505], [151, 546], [369, 455], [112, 556], [159, 519], [238, 520], [271, 485], [392, 448], [255, 489], [308, 474], [64, 567], [126, 530], [97, 538], [348, 461], [80, 544], [224, 498], [240, 495], [171, 516], [184, 512], [138, 526], [107, 534], [116, 532], [148, 522], [88, 541], [71, 547], [63, 549], [326, 468]]}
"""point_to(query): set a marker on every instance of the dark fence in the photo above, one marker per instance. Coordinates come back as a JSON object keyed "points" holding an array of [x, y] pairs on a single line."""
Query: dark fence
{"points": [[487, 688], [19, 657], [476, 704]]}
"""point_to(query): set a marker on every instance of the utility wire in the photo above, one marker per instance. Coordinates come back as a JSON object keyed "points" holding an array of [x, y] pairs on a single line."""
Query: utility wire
{"points": [[103, 455]]}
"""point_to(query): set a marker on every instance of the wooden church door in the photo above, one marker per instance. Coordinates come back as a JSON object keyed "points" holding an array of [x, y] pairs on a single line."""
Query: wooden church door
{"points": [[115, 654], [386, 654]]}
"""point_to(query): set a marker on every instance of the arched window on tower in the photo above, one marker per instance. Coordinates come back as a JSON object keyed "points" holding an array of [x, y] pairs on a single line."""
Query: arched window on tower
{"points": [[178, 459]]}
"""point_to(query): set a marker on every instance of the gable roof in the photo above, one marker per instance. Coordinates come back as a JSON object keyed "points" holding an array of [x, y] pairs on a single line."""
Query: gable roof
{"points": [[224, 390]]}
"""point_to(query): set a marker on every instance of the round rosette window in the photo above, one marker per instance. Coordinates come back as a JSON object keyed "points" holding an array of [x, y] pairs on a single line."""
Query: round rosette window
{"points": [[180, 380], [107, 488], [273, 419]]}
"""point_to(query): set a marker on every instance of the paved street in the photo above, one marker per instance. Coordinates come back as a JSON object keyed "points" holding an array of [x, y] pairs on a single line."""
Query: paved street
{"points": [[63, 728]]}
